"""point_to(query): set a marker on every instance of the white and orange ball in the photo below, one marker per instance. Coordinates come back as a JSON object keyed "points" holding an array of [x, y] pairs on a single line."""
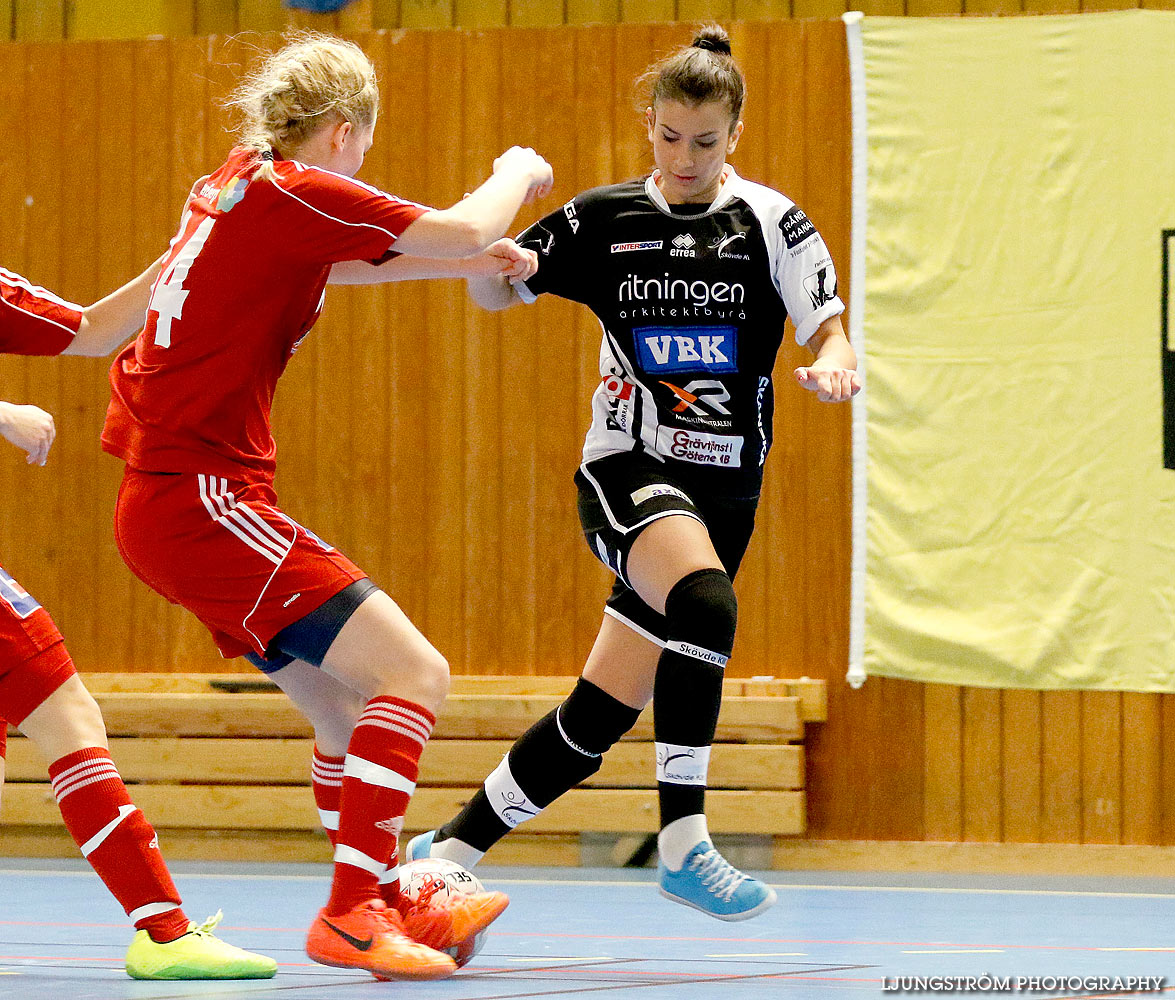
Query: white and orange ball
{"points": [[436, 879]]}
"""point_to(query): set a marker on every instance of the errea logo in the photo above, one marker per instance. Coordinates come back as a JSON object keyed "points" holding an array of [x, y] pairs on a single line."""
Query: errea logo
{"points": [[683, 246]]}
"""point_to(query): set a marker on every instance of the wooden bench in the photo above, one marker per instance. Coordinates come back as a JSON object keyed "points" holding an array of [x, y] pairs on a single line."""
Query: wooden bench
{"points": [[221, 762]]}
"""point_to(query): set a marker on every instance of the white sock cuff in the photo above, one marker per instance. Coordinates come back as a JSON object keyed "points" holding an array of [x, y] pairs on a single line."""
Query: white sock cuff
{"points": [[506, 798], [680, 837], [681, 765]]}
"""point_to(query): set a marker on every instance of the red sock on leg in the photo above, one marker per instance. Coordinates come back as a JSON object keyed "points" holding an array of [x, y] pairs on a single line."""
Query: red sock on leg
{"points": [[379, 776], [326, 777], [117, 840]]}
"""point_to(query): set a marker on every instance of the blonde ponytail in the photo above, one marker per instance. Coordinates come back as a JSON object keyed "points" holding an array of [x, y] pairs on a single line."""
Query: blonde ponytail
{"points": [[315, 78]]}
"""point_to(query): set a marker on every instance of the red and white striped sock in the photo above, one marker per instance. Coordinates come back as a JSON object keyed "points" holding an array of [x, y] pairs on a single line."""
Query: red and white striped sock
{"points": [[326, 776], [379, 776], [117, 840]]}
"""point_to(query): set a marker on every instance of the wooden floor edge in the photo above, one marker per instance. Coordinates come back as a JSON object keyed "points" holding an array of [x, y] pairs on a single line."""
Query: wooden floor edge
{"points": [[973, 858]]}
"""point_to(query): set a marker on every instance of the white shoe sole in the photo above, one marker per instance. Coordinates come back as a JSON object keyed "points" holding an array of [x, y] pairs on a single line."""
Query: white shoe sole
{"points": [[767, 903]]}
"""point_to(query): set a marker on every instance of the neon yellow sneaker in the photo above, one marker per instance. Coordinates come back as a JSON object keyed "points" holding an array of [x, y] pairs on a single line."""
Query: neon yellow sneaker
{"points": [[199, 954]]}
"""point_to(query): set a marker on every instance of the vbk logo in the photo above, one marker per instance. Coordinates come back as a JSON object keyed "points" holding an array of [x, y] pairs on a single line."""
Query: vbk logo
{"points": [[683, 246], [698, 394], [15, 596], [687, 348]]}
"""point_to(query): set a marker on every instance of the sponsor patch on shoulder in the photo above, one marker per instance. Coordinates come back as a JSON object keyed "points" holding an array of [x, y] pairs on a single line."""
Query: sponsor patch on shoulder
{"points": [[642, 245], [796, 227], [656, 490]]}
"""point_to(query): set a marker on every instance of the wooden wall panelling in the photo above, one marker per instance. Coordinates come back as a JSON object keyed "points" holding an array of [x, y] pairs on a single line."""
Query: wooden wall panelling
{"points": [[644, 11], [405, 567], [498, 566], [45, 102], [933, 8], [143, 19], [426, 13], [215, 17], [540, 381], [753, 645], [357, 17], [982, 812], [943, 767], [1142, 768], [1051, 6], [762, 10], [1020, 766], [76, 488], [443, 436], [1061, 767], [593, 11], [373, 391], [536, 13], [39, 20], [113, 134], [480, 13], [818, 8], [260, 15], [1101, 767], [775, 110], [156, 220], [879, 8], [825, 484], [595, 162], [1096, 5], [700, 11], [13, 534], [991, 6], [1167, 756]]}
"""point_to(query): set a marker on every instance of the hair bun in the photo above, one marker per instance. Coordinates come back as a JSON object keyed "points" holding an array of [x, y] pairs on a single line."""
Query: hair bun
{"points": [[713, 40]]}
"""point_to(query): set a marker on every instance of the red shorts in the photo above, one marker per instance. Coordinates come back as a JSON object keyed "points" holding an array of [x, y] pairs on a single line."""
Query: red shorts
{"points": [[33, 659], [225, 552]]}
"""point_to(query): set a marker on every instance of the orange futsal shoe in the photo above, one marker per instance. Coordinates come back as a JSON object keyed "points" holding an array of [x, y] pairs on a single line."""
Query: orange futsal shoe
{"points": [[444, 924], [372, 937]]}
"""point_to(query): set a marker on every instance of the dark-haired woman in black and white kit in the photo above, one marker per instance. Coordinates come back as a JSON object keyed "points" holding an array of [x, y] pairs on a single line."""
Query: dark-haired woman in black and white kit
{"points": [[690, 272]]}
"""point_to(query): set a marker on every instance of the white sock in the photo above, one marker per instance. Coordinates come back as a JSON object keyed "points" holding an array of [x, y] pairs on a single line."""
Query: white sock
{"points": [[680, 837], [457, 851]]}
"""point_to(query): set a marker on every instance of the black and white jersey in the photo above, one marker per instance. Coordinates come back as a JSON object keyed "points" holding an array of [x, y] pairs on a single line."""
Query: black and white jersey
{"points": [[692, 307]]}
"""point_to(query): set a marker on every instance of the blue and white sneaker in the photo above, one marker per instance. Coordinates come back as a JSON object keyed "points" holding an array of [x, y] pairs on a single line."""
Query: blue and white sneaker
{"points": [[710, 883], [419, 846]]}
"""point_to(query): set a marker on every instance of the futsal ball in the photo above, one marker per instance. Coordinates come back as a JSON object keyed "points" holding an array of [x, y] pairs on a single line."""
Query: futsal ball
{"points": [[437, 879]]}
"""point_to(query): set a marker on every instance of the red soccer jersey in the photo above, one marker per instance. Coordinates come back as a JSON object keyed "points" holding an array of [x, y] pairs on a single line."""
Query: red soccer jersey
{"points": [[34, 320], [240, 288]]}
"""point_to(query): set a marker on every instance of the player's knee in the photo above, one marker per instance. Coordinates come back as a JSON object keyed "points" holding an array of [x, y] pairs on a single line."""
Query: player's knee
{"points": [[67, 721], [702, 608], [591, 720], [433, 676]]}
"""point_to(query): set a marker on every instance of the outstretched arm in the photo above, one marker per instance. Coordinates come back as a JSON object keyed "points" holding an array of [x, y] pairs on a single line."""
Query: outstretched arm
{"points": [[520, 176], [833, 375], [110, 321], [505, 258]]}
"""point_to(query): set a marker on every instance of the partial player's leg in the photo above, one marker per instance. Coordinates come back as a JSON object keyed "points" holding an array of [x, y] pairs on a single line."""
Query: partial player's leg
{"points": [[379, 654], [674, 568], [112, 834], [558, 752], [332, 709]]}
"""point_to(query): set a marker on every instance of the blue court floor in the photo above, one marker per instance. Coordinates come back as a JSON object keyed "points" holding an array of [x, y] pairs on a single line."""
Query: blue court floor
{"points": [[607, 934]]}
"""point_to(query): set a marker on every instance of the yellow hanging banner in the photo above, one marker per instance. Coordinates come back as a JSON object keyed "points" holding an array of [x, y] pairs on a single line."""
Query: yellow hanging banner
{"points": [[1015, 224]]}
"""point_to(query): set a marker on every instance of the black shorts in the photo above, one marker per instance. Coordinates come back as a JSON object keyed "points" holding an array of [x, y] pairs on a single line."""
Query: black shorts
{"points": [[620, 495]]}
